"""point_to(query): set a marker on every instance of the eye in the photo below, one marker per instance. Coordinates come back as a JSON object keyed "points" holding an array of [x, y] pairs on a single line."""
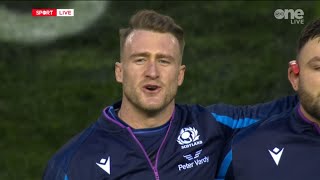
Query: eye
{"points": [[139, 60], [317, 68], [164, 61]]}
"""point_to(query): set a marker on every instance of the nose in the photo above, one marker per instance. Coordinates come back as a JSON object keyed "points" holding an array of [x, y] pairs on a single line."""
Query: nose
{"points": [[152, 70]]}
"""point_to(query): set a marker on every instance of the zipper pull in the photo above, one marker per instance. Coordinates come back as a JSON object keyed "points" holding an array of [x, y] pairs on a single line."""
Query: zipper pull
{"points": [[156, 173]]}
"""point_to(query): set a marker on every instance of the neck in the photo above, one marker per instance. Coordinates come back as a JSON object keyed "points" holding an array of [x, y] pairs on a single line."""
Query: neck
{"points": [[141, 119], [308, 116]]}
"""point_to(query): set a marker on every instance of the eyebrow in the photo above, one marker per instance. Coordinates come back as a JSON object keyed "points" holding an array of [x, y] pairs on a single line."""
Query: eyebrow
{"points": [[146, 54], [165, 56], [142, 54]]}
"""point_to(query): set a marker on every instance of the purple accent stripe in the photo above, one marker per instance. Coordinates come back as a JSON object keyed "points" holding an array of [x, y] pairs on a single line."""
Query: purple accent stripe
{"points": [[165, 137], [110, 112], [155, 167], [143, 150], [316, 126], [111, 119]]}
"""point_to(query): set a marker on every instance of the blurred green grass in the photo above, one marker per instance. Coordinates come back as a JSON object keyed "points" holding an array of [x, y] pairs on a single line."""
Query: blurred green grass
{"points": [[236, 52]]}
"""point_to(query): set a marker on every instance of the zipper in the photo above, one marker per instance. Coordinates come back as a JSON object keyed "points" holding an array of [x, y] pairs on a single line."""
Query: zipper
{"points": [[156, 173], [153, 167]]}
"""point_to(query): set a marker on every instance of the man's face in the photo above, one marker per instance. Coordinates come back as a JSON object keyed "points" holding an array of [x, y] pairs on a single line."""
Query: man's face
{"points": [[308, 81], [150, 70]]}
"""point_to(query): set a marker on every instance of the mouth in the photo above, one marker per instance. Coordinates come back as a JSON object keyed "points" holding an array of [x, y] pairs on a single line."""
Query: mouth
{"points": [[151, 88]]}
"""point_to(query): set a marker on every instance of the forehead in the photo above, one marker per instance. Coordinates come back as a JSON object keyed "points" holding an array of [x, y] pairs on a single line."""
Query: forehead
{"points": [[310, 50], [149, 41]]}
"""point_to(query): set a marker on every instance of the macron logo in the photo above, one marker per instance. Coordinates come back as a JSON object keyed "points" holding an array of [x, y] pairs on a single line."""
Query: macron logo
{"points": [[276, 154], [105, 165]]}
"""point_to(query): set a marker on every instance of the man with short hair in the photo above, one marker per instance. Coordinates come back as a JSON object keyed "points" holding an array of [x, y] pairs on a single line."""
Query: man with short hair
{"points": [[147, 135], [287, 145]]}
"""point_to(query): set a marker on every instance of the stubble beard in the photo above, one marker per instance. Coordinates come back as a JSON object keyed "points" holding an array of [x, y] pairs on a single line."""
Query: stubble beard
{"points": [[310, 104], [135, 98]]}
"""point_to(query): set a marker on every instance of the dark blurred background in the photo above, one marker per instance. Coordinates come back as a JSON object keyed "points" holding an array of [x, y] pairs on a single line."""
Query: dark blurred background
{"points": [[56, 73]]}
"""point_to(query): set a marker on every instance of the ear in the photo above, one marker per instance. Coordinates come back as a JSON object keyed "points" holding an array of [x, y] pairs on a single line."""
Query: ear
{"points": [[181, 74], [293, 77], [118, 71]]}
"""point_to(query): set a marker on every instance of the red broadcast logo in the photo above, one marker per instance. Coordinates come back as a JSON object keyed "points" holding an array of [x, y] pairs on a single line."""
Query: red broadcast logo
{"points": [[52, 12], [44, 12]]}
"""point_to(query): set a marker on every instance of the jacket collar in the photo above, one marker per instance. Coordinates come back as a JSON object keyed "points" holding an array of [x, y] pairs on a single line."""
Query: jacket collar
{"points": [[305, 123], [108, 119]]}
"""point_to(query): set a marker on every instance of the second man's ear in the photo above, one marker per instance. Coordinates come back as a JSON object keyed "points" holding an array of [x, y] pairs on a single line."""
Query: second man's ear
{"points": [[293, 74], [295, 67]]}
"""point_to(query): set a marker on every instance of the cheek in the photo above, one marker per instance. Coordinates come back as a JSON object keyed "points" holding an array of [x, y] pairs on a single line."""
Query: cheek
{"points": [[310, 83], [132, 77], [172, 76], [128, 76]]}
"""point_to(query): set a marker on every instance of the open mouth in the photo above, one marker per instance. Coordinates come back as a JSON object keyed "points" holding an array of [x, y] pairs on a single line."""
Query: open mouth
{"points": [[151, 88]]}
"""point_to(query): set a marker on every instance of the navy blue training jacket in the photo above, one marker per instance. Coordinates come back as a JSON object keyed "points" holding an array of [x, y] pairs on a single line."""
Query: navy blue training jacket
{"points": [[284, 147], [191, 147]]}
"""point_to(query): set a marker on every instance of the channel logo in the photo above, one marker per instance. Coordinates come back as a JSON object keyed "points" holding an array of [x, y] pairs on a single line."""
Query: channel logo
{"points": [[52, 12]]}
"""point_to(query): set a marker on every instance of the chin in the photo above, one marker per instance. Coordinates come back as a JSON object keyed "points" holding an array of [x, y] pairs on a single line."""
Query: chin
{"points": [[153, 107], [153, 104]]}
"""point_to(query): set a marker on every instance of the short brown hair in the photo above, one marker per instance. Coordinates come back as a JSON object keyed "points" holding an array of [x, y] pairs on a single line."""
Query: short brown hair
{"points": [[153, 21], [311, 31]]}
